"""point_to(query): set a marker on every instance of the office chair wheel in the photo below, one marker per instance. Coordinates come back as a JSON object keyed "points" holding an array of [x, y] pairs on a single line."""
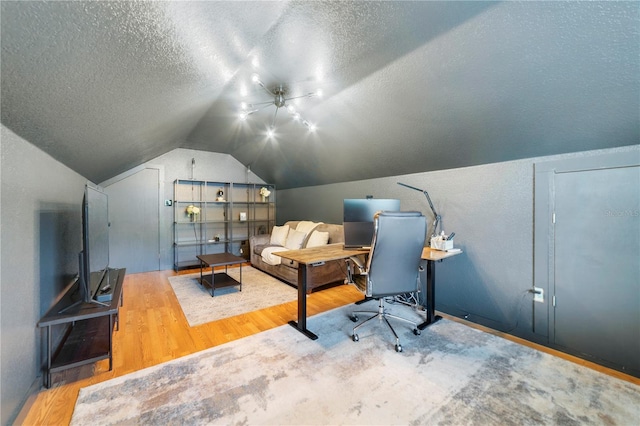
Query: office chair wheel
{"points": [[355, 338], [398, 348], [416, 331], [354, 318]]}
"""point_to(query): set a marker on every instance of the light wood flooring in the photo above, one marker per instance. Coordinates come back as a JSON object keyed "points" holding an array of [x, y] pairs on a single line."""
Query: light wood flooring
{"points": [[154, 330]]}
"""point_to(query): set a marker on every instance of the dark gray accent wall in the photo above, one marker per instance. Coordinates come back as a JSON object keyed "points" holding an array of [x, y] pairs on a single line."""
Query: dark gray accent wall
{"points": [[41, 227], [491, 210]]}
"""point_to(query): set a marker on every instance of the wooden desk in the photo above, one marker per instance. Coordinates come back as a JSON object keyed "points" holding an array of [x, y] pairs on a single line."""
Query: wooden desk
{"points": [[307, 259], [429, 285]]}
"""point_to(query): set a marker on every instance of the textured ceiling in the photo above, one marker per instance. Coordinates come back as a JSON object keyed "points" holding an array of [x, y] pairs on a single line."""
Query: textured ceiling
{"points": [[407, 86]]}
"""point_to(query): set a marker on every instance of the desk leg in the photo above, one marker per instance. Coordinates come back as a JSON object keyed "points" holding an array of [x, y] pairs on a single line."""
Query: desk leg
{"points": [[301, 324], [431, 294]]}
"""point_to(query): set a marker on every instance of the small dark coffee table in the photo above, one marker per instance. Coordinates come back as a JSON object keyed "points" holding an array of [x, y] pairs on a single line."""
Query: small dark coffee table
{"points": [[221, 279]]}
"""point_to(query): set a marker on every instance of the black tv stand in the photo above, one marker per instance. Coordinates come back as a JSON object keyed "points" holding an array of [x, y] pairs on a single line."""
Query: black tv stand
{"points": [[89, 329], [79, 303]]}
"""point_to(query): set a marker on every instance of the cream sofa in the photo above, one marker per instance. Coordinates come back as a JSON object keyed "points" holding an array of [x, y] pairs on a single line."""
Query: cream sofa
{"points": [[264, 250]]}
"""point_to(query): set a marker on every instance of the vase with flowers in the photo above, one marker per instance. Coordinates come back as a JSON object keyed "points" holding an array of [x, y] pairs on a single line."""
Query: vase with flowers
{"points": [[264, 193], [193, 212]]}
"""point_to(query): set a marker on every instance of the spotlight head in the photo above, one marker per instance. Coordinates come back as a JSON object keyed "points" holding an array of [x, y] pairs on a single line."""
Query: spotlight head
{"points": [[271, 132]]}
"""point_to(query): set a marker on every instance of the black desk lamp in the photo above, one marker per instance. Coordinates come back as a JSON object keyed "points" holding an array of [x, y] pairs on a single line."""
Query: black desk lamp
{"points": [[436, 222]]}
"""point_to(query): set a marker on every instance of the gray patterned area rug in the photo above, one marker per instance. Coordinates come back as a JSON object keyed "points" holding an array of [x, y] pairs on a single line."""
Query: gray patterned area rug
{"points": [[450, 374], [259, 291]]}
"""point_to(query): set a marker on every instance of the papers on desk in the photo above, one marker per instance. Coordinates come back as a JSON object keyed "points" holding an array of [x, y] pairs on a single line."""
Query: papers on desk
{"points": [[453, 250]]}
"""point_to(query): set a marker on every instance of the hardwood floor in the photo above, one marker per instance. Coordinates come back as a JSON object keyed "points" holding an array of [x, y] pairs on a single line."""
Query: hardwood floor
{"points": [[154, 330]]}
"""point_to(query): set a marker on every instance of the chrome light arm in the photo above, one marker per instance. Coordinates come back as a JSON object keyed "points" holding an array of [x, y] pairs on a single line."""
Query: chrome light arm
{"points": [[308, 95]]}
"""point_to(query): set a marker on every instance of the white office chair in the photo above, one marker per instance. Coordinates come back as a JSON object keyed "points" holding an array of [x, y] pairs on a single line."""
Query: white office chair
{"points": [[393, 264]]}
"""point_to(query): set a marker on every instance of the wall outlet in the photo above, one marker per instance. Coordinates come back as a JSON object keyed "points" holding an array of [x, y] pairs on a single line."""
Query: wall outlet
{"points": [[538, 295]]}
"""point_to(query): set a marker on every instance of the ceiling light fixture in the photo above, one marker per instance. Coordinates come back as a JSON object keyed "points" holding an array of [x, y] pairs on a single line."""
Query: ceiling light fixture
{"points": [[279, 94]]}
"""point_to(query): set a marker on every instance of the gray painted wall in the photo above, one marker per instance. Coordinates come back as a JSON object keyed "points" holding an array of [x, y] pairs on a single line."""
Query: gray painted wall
{"points": [[176, 164], [489, 207], [41, 237]]}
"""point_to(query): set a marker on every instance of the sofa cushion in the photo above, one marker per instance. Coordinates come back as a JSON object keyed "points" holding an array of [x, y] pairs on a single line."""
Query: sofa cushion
{"points": [[317, 239], [294, 239], [258, 248], [279, 235]]}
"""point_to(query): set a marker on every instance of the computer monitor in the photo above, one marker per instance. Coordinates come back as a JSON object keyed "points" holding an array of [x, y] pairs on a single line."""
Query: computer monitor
{"points": [[358, 219]]}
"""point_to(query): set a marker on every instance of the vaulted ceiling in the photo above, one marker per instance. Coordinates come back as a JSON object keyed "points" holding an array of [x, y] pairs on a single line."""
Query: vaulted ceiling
{"points": [[407, 86]]}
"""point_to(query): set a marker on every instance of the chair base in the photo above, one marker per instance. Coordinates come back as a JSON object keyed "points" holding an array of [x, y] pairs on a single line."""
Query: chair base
{"points": [[382, 313]]}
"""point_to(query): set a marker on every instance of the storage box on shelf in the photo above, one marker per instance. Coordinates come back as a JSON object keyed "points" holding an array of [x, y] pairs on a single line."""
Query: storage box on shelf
{"points": [[218, 217]]}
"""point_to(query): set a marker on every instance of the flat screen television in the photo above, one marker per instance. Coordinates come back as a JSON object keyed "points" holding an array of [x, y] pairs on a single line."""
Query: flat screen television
{"points": [[94, 258], [358, 219]]}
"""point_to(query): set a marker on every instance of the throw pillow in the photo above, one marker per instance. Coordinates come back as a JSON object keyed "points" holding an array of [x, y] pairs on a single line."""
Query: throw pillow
{"points": [[306, 226], [279, 235], [294, 239], [317, 239]]}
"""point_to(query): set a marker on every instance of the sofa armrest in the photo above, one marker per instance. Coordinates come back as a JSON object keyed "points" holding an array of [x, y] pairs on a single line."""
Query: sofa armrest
{"points": [[257, 240]]}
